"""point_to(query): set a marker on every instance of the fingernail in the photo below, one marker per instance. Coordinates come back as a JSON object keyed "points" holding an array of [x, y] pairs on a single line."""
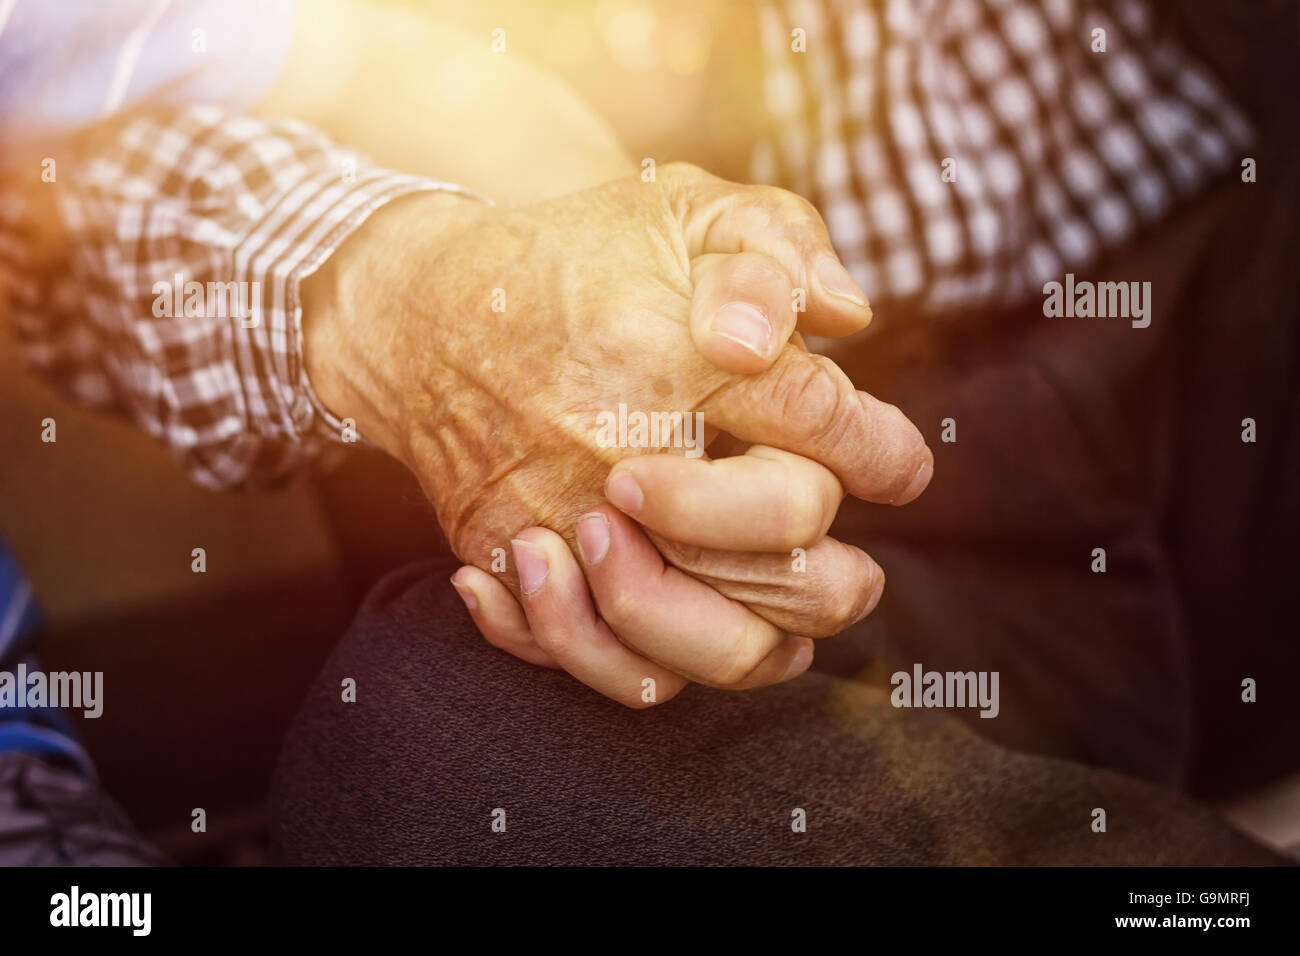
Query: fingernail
{"points": [[918, 484], [530, 559], [836, 280], [802, 661], [875, 594], [624, 493], [465, 593], [593, 537], [745, 324]]}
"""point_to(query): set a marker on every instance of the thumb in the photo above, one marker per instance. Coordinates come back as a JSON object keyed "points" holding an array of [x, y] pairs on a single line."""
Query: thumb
{"points": [[718, 217], [742, 310]]}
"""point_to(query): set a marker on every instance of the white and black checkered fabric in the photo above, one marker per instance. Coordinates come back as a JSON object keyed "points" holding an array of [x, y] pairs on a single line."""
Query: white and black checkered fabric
{"points": [[211, 197], [1055, 150]]}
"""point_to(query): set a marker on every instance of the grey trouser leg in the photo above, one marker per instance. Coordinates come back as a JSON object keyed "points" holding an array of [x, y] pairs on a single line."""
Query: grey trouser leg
{"points": [[448, 733]]}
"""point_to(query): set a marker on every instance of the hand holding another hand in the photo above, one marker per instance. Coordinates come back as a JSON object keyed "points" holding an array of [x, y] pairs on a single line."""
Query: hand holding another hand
{"points": [[673, 296]]}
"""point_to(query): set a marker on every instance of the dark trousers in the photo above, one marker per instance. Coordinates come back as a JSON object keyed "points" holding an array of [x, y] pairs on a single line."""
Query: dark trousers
{"points": [[448, 734], [1079, 434]]}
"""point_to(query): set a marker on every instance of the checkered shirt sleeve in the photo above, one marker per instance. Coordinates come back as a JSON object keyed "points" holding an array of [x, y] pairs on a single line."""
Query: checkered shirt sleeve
{"points": [[963, 153], [247, 208]]}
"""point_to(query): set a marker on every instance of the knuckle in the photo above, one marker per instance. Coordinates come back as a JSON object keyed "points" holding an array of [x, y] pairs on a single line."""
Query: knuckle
{"points": [[805, 515], [850, 601], [556, 641], [683, 171], [619, 607], [798, 220], [801, 212], [742, 659], [684, 557], [757, 269], [834, 613], [848, 590], [789, 205], [815, 399]]}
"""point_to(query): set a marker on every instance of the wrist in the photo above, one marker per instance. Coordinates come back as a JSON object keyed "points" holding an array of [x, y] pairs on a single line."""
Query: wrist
{"points": [[354, 313]]}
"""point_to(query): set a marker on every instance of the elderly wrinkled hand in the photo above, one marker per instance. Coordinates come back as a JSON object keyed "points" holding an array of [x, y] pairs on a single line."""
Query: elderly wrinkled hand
{"points": [[492, 350]]}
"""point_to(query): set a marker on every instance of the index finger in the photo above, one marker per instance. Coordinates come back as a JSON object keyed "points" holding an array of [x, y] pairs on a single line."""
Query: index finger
{"points": [[806, 405], [764, 500]]}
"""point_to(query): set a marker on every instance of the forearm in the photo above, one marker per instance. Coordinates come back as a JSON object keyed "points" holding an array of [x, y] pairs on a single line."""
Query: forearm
{"points": [[426, 98]]}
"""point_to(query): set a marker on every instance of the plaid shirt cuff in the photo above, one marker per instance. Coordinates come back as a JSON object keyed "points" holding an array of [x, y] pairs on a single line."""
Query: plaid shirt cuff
{"points": [[164, 224], [313, 231]]}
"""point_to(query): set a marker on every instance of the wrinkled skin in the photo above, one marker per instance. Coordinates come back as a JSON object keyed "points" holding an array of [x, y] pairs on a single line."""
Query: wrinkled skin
{"points": [[496, 412]]}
